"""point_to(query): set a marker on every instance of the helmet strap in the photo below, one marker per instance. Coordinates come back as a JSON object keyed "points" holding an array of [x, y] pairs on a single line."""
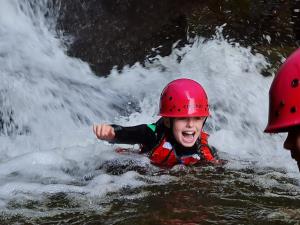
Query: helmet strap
{"points": [[204, 123], [168, 122]]}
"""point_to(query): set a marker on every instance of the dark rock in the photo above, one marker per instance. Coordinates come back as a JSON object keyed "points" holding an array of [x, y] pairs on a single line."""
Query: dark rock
{"points": [[247, 21], [115, 32], [111, 33]]}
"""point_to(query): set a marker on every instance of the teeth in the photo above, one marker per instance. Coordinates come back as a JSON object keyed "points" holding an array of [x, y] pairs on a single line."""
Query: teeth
{"points": [[189, 132]]}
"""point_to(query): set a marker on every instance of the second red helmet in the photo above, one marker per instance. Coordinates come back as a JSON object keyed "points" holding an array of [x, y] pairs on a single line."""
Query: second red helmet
{"points": [[183, 98], [284, 104]]}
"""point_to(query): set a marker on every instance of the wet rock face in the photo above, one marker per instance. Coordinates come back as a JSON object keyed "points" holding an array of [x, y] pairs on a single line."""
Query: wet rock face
{"points": [[111, 33], [249, 22], [295, 8], [120, 32]]}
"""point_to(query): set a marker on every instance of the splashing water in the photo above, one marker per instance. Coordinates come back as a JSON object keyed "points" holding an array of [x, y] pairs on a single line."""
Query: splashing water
{"points": [[49, 102]]}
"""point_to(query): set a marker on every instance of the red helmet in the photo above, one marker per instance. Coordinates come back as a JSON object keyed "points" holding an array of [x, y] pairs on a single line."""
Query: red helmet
{"points": [[284, 104], [183, 98]]}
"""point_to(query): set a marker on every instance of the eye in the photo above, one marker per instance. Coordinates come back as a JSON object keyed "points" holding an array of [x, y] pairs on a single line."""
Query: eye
{"points": [[200, 118]]}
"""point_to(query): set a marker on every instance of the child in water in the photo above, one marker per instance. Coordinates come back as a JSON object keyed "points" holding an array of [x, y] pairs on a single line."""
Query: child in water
{"points": [[177, 137]]}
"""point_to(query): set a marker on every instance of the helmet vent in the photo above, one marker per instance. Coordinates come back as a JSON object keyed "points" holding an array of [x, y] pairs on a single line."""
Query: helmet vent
{"points": [[281, 104], [277, 114], [293, 109], [295, 83]]}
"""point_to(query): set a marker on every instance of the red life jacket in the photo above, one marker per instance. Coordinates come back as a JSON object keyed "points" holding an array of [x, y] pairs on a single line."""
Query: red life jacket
{"points": [[165, 155]]}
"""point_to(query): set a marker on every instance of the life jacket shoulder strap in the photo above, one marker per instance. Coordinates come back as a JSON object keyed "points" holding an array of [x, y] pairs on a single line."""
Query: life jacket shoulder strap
{"points": [[162, 156], [203, 138], [205, 150]]}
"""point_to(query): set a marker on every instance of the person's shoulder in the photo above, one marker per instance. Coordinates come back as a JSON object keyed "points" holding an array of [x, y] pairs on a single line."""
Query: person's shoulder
{"points": [[203, 137], [156, 126], [160, 122]]}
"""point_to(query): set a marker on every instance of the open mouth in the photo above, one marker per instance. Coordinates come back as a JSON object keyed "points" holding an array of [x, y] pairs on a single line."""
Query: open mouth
{"points": [[188, 136]]}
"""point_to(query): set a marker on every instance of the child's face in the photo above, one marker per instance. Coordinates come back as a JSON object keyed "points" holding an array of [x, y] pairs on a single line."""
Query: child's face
{"points": [[186, 130]]}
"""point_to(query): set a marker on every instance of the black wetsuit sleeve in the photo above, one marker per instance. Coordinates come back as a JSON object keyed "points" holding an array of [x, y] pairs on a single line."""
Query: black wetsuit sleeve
{"points": [[140, 134]]}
